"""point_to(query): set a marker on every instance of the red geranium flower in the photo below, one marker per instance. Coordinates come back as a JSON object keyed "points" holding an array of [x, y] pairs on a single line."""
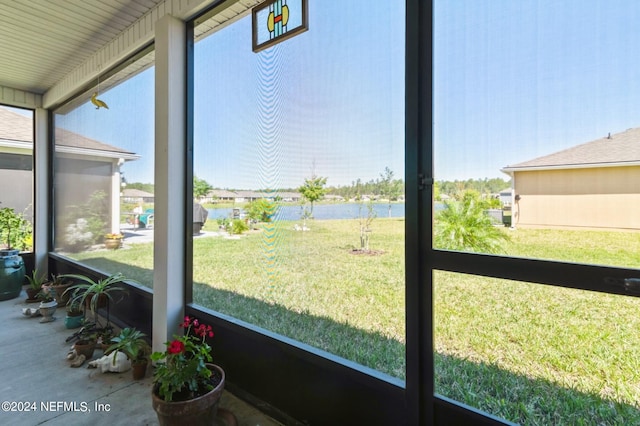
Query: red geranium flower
{"points": [[175, 347], [186, 323]]}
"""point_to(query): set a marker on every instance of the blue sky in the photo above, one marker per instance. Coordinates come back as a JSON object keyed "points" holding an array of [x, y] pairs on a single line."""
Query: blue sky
{"points": [[515, 80], [127, 124], [329, 100]]}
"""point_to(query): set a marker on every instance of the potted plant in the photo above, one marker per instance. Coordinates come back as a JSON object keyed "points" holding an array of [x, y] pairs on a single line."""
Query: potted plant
{"points": [[131, 342], [48, 305], [75, 315], [113, 241], [85, 345], [104, 338], [12, 270], [59, 284], [187, 386], [35, 285], [95, 294]]}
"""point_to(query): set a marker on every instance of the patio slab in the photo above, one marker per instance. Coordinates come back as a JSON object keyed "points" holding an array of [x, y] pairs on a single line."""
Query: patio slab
{"points": [[39, 387]]}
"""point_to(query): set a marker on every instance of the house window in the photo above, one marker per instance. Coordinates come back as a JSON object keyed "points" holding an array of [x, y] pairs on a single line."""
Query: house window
{"points": [[16, 173], [103, 173], [301, 164]]}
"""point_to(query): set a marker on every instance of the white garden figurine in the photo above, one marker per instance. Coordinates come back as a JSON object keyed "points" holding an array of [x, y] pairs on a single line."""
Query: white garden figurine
{"points": [[107, 364]]}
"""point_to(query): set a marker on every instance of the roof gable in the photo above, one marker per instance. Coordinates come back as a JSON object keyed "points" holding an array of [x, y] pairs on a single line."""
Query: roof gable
{"points": [[15, 127]]}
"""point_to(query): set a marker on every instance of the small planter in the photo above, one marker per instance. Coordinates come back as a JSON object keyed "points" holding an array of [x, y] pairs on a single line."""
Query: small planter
{"points": [[139, 369], [59, 292], [47, 309], [71, 321], [32, 295], [113, 243], [105, 341], [85, 347], [101, 302]]}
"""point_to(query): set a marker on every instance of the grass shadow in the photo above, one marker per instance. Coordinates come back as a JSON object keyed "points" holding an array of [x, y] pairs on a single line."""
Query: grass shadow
{"points": [[524, 400], [504, 394]]}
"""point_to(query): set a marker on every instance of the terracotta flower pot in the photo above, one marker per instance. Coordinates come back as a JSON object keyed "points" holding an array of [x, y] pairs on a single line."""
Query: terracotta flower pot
{"points": [[32, 293], [199, 411], [101, 302], [61, 297], [139, 369], [85, 347]]}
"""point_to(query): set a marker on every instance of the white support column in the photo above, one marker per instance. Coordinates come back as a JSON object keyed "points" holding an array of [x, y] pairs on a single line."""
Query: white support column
{"points": [[116, 188], [41, 209], [170, 159]]}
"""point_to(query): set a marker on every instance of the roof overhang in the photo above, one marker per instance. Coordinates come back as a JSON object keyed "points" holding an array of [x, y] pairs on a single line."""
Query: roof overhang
{"points": [[83, 152], [27, 148], [16, 145], [511, 170]]}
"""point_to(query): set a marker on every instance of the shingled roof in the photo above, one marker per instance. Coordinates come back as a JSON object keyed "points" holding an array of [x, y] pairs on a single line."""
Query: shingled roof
{"points": [[17, 130], [620, 149], [136, 193]]}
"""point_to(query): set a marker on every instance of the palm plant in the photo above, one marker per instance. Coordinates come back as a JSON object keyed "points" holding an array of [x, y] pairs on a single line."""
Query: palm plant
{"points": [[464, 226]]}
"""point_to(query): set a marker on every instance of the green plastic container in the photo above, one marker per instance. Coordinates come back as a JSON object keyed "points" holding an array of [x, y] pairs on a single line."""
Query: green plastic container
{"points": [[12, 274]]}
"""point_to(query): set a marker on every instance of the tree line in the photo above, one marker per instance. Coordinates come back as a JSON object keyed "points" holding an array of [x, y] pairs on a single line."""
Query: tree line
{"points": [[386, 186], [457, 188]]}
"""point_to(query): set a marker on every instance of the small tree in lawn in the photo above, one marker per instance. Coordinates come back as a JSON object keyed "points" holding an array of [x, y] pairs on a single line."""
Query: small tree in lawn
{"points": [[313, 189], [389, 188], [200, 188], [304, 215], [364, 222]]}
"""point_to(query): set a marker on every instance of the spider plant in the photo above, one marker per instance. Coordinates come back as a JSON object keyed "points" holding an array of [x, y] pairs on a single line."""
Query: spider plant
{"points": [[90, 293]]}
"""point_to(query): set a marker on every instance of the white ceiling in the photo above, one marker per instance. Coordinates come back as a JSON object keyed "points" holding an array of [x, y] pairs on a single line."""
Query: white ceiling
{"points": [[43, 41]]}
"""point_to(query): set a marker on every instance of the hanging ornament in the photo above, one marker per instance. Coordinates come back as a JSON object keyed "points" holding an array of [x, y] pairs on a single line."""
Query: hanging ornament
{"points": [[97, 102]]}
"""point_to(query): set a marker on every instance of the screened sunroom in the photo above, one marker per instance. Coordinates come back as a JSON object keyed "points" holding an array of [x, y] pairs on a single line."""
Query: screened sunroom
{"points": [[339, 161]]}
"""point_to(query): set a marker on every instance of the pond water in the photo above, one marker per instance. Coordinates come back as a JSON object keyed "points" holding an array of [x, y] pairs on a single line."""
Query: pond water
{"points": [[322, 211]]}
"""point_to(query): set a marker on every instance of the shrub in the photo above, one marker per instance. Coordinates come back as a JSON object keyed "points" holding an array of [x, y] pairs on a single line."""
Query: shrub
{"points": [[15, 230], [239, 226]]}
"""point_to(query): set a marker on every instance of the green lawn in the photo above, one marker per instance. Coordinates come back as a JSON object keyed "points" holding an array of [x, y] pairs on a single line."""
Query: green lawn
{"points": [[529, 353]]}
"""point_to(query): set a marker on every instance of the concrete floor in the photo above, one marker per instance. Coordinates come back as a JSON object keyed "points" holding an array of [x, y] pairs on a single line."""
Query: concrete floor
{"points": [[36, 379]]}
